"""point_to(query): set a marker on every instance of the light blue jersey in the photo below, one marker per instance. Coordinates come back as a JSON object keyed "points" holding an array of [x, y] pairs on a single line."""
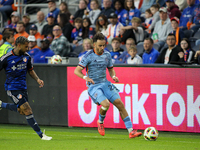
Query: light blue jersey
{"points": [[96, 65], [96, 70]]}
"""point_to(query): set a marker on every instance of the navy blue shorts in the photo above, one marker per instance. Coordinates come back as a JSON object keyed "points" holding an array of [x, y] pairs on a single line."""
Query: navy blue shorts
{"points": [[19, 97]]}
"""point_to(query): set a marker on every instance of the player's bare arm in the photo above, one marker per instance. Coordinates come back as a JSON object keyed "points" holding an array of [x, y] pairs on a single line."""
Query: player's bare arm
{"points": [[78, 72], [34, 76], [113, 74]]}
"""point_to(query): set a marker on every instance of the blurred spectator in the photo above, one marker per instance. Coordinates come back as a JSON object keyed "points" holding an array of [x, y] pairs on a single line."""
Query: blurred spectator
{"points": [[14, 20], [113, 29], [162, 28], [187, 55], [8, 38], [76, 36], [86, 28], [123, 57], [101, 24], [67, 27], [169, 54], [172, 9], [107, 8], [33, 31], [94, 13], [156, 17], [116, 49], [197, 57], [151, 54], [148, 19], [131, 11], [6, 8], [182, 4], [52, 9], [146, 5], [64, 9], [50, 24], [176, 30], [80, 12], [45, 51], [187, 14], [32, 45], [119, 10], [50, 37], [26, 20], [134, 58], [134, 31], [41, 22], [196, 19], [21, 30], [60, 45], [87, 45]]}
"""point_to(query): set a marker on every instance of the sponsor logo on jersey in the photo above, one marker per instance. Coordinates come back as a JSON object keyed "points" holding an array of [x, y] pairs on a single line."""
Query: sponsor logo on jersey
{"points": [[13, 62]]}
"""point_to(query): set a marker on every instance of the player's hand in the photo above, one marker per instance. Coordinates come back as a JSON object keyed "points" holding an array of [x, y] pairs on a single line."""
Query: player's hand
{"points": [[89, 80], [115, 79], [40, 82]]}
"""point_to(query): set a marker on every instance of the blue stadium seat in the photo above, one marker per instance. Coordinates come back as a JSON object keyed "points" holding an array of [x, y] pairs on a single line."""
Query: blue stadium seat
{"points": [[196, 48], [140, 49], [109, 47], [123, 47], [156, 46], [76, 51], [188, 33]]}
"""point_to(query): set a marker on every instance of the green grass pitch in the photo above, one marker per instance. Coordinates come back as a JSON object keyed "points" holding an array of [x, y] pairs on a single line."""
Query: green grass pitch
{"points": [[21, 137]]}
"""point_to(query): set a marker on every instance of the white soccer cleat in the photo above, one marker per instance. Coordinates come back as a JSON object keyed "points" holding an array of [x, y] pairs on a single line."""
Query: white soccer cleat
{"points": [[45, 137], [0, 104]]}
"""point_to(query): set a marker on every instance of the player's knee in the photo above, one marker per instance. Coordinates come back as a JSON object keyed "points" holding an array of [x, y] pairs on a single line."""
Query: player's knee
{"points": [[104, 108], [28, 112]]}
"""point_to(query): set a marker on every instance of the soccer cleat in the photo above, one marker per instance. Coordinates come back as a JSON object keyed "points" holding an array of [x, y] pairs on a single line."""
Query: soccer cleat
{"points": [[101, 129], [0, 104], [45, 137], [134, 134]]}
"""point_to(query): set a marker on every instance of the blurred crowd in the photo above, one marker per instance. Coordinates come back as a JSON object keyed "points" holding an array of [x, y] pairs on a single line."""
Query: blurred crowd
{"points": [[136, 31]]}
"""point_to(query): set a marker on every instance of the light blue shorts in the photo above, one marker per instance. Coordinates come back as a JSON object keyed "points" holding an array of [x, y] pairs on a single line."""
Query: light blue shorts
{"points": [[102, 91]]}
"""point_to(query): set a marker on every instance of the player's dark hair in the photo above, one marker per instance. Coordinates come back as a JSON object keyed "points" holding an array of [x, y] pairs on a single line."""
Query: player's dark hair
{"points": [[98, 36], [7, 35], [150, 39], [21, 40]]}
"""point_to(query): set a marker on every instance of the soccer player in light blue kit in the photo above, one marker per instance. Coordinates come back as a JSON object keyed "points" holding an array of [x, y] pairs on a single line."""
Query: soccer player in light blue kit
{"points": [[101, 91]]}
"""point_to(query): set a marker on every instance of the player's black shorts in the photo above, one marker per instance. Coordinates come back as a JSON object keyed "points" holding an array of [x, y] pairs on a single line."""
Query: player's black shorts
{"points": [[19, 97]]}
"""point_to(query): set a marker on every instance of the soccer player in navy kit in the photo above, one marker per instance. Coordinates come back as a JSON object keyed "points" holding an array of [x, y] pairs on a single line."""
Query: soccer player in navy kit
{"points": [[101, 91], [16, 64]]}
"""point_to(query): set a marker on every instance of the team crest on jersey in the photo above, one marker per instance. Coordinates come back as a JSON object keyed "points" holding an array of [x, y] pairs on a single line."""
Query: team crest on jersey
{"points": [[19, 96], [95, 95], [25, 59], [80, 34]]}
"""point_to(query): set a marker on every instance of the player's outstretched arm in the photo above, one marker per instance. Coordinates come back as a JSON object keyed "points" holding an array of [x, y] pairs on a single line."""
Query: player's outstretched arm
{"points": [[34, 76], [113, 75], [78, 72]]}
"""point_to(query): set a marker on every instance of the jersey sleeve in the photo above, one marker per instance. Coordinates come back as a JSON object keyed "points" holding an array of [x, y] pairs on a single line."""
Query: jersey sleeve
{"points": [[2, 63], [110, 64], [84, 61], [29, 64]]}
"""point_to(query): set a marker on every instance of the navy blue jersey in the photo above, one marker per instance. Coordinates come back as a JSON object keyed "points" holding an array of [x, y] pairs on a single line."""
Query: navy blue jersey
{"points": [[15, 68]]}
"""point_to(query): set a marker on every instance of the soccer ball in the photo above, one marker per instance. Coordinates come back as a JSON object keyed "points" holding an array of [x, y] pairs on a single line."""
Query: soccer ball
{"points": [[56, 59], [150, 134]]}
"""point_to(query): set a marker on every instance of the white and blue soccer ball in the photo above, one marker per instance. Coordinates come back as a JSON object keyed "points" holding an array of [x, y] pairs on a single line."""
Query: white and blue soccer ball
{"points": [[150, 134], [56, 59]]}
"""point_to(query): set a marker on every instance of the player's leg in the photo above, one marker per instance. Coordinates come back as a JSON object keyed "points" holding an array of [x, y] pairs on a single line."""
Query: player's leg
{"points": [[8, 106], [27, 111], [127, 121]]}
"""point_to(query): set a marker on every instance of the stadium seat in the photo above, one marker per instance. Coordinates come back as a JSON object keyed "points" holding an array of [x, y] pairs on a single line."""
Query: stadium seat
{"points": [[197, 35], [156, 46], [140, 49], [123, 47], [192, 41], [109, 47], [188, 33], [196, 48], [76, 51]]}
